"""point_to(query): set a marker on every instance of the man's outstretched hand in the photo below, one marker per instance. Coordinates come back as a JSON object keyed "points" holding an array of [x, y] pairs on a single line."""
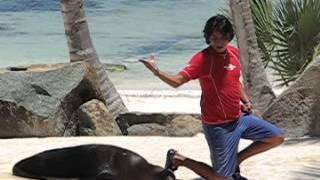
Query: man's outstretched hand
{"points": [[151, 65]]}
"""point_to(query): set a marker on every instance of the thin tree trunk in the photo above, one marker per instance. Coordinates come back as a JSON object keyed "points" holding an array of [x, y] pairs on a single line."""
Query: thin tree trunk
{"points": [[255, 79], [82, 49]]}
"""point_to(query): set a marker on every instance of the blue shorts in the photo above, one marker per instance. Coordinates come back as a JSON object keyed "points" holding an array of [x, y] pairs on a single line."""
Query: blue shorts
{"points": [[223, 140]]}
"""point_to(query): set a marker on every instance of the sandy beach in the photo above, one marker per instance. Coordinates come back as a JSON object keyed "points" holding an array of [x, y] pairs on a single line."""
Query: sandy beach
{"points": [[128, 30], [297, 159], [162, 101], [165, 101]]}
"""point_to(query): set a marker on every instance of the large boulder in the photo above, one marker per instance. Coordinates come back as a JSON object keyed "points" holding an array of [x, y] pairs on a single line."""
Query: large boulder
{"points": [[40, 100], [147, 129], [184, 125], [95, 120], [297, 110], [159, 124]]}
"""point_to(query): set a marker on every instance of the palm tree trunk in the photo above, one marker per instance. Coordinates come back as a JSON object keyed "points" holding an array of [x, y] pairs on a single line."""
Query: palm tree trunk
{"points": [[255, 79], [82, 49]]}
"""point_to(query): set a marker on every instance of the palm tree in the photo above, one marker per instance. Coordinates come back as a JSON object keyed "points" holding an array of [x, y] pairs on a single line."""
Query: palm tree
{"points": [[288, 32], [82, 49], [254, 75]]}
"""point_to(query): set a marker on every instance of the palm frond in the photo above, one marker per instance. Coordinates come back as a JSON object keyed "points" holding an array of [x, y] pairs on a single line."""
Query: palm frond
{"points": [[295, 30], [288, 35], [262, 18]]}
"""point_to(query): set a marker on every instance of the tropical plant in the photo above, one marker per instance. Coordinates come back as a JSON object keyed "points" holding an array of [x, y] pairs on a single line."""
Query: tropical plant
{"points": [[288, 32], [262, 14]]}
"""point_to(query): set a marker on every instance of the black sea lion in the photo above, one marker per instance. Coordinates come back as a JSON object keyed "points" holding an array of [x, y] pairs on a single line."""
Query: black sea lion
{"points": [[89, 162]]}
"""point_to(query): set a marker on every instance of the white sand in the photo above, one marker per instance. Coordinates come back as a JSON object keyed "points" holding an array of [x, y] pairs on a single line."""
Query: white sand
{"points": [[166, 101], [296, 160]]}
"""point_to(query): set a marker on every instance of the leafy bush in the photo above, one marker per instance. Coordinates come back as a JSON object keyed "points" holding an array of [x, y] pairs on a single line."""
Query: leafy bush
{"points": [[288, 34]]}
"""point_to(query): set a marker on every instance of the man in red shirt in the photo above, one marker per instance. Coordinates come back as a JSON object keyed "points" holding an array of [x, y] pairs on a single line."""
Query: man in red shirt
{"points": [[225, 107]]}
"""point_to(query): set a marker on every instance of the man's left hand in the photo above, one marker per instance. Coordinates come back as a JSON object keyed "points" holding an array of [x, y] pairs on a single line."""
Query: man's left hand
{"points": [[247, 107]]}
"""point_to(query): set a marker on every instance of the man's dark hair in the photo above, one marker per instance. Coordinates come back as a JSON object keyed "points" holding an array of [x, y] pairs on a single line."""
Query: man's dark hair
{"points": [[220, 24]]}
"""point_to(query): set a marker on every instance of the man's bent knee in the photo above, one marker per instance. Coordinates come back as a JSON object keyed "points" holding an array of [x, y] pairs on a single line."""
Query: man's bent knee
{"points": [[275, 141]]}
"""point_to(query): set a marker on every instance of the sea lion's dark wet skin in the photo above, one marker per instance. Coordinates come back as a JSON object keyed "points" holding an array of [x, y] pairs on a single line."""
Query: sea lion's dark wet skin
{"points": [[90, 162]]}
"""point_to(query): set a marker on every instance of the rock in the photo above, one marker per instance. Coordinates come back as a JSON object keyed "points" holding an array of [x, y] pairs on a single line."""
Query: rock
{"points": [[297, 110], [132, 118], [41, 100], [96, 120], [147, 129], [115, 67], [160, 124], [184, 125]]}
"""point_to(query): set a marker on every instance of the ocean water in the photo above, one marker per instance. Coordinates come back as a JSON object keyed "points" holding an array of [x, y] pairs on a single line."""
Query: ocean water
{"points": [[32, 32]]}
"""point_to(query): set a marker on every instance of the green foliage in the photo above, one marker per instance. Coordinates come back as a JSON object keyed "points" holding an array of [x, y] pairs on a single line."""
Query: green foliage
{"points": [[262, 17], [316, 52], [288, 32]]}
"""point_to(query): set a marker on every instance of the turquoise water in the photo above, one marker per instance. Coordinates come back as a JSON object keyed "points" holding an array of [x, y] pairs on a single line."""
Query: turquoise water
{"points": [[32, 32]]}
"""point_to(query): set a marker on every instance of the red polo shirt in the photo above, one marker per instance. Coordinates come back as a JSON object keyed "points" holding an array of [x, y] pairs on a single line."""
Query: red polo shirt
{"points": [[219, 80]]}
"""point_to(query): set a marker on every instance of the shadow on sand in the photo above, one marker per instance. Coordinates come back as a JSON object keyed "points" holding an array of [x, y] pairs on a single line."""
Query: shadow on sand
{"points": [[305, 140]]}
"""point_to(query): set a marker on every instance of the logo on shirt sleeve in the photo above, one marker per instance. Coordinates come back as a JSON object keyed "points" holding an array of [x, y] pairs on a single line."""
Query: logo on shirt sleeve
{"points": [[230, 67]]}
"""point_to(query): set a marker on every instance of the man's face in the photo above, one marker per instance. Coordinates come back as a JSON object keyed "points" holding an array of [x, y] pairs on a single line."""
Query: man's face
{"points": [[218, 41]]}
